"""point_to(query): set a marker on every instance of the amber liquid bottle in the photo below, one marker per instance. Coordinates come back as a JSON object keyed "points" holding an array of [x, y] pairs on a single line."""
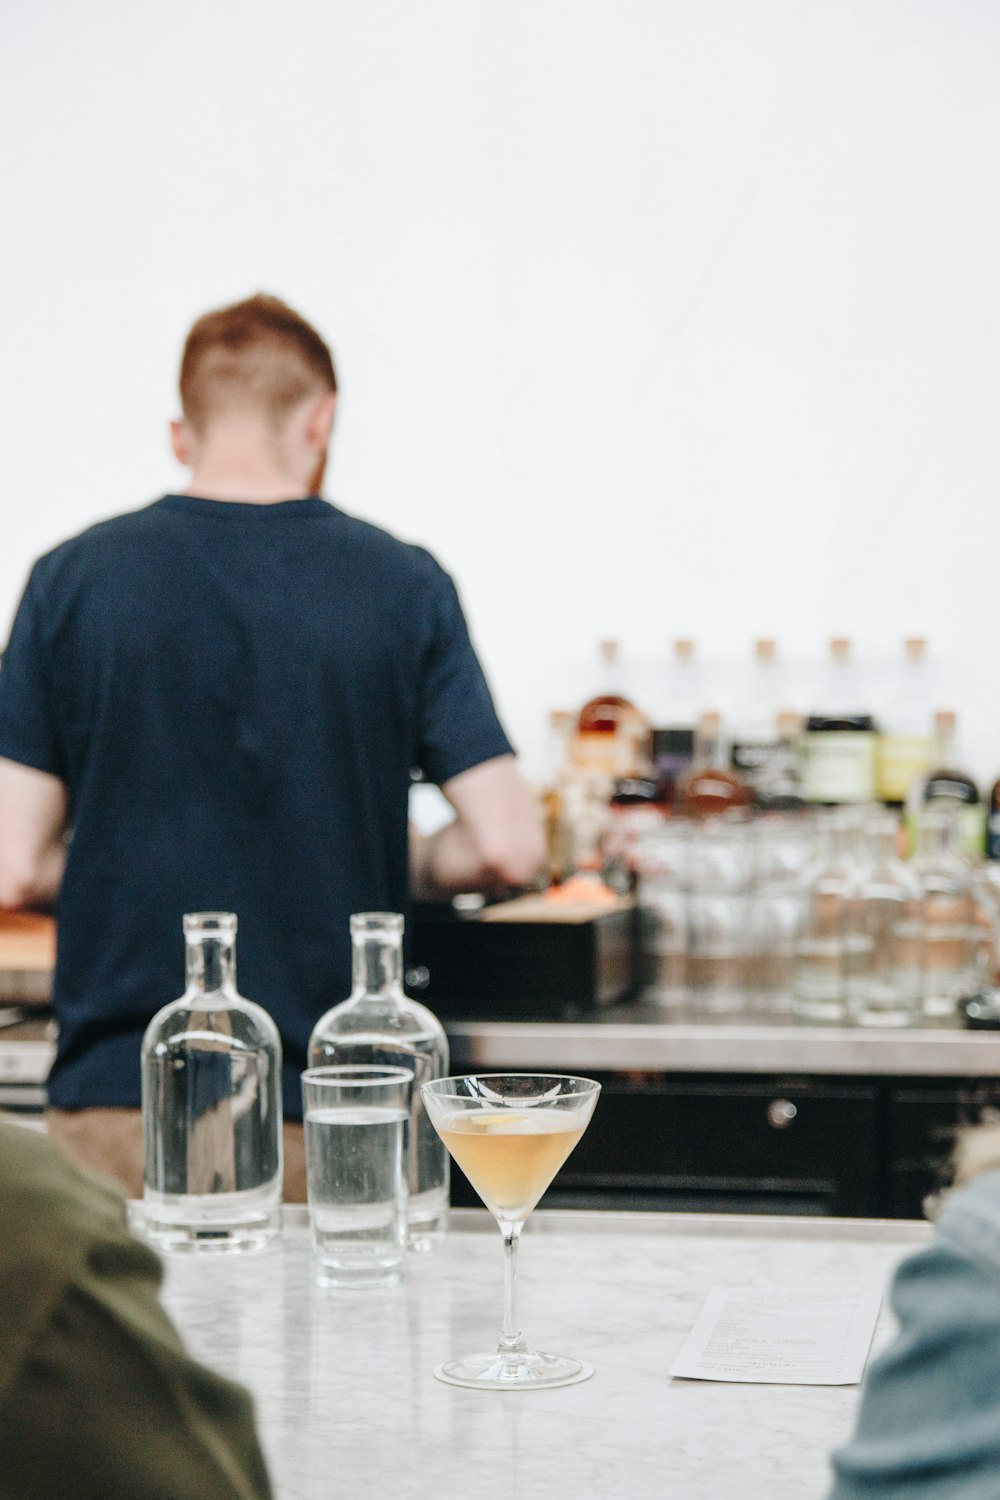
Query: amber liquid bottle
{"points": [[611, 732], [710, 788]]}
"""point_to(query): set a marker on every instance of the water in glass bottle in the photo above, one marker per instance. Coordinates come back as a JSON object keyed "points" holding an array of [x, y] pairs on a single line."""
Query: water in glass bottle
{"points": [[211, 1106], [379, 1024]]}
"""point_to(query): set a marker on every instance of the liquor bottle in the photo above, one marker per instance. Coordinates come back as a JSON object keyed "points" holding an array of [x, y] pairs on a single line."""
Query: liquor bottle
{"points": [[947, 782], [636, 808], [672, 753], [779, 785], [710, 788], [905, 743], [840, 741], [992, 840], [379, 1024], [554, 801], [610, 729], [675, 720], [755, 739], [948, 909], [211, 1106], [885, 933], [679, 703]]}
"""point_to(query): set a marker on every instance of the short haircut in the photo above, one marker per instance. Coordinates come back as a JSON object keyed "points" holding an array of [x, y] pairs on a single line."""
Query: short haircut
{"points": [[257, 356]]}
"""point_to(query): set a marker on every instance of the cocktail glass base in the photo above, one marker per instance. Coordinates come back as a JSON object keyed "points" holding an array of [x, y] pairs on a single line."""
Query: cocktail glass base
{"points": [[527, 1370]]}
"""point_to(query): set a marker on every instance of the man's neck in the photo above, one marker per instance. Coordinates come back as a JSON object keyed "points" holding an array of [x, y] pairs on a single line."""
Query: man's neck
{"points": [[237, 461], [251, 487]]}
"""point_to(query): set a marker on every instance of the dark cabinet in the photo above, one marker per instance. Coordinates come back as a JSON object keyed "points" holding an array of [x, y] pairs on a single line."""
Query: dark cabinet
{"points": [[922, 1120], [853, 1147]]}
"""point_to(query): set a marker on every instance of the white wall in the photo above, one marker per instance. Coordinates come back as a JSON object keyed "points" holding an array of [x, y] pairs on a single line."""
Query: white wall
{"points": [[652, 317]]}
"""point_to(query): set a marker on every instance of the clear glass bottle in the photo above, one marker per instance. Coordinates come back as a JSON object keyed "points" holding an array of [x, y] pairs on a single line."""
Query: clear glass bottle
{"points": [[784, 851], [755, 738], [378, 1023], [885, 933], [905, 742], [662, 855], [948, 910], [718, 875], [819, 976], [679, 703], [553, 798], [211, 1106]]}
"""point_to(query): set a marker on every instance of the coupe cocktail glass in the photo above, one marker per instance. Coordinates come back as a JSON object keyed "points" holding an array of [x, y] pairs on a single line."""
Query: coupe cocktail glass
{"points": [[510, 1133]]}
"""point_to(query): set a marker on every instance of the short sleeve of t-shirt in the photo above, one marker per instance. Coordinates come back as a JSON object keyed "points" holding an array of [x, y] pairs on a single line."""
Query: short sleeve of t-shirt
{"points": [[458, 725], [27, 733]]}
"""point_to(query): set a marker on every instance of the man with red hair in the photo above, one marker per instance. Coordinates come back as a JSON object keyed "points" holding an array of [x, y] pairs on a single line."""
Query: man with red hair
{"points": [[222, 697]]}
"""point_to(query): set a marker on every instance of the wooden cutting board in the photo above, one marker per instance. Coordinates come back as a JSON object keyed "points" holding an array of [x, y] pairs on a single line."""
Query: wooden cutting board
{"points": [[27, 941], [538, 909]]}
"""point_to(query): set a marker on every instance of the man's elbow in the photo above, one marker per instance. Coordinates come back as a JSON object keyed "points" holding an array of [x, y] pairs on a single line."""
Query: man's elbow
{"points": [[24, 884]]}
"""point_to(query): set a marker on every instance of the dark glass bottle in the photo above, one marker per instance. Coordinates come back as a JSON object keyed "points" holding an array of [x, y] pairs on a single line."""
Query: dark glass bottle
{"points": [[778, 786], [992, 843]]}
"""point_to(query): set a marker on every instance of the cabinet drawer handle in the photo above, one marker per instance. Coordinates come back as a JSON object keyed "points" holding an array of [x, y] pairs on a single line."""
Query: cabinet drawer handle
{"points": [[781, 1113]]}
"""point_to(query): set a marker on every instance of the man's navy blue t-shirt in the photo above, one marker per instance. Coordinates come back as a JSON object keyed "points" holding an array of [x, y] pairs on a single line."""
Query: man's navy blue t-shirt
{"points": [[235, 696]]}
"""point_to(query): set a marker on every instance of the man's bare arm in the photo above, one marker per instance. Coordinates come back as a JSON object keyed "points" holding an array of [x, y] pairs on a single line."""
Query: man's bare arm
{"points": [[33, 813], [495, 840]]}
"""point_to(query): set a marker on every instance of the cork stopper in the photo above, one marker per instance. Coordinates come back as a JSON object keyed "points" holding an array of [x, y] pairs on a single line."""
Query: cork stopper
{"points": [[840, 648], [915, 647], [684, 648], [765, 649]]}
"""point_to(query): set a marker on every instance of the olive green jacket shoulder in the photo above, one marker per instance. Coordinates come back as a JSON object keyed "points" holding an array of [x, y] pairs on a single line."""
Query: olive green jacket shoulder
{"points": [[98, 1397]]}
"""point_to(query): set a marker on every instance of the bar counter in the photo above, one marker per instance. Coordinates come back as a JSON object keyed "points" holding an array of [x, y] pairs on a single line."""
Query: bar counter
{"points": [[347, 1404], [640, 1036]]}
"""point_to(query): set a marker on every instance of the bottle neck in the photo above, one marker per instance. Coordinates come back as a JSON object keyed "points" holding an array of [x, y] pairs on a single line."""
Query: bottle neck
{"points": [[377, 964], [882, 845], [943, 754], [936, 838], [211, 963], [710, 751]]}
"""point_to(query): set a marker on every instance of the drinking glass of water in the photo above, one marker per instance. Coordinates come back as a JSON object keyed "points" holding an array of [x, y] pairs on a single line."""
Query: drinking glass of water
{"points": [[356, 1143]]}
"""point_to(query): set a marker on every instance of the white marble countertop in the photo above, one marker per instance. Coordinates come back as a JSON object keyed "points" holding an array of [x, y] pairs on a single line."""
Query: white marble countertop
{"points": [[348, 1406]]}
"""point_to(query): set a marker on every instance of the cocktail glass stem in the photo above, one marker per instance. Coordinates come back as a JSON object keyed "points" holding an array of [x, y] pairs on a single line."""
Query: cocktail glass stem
{"points": [[511, 1341]]}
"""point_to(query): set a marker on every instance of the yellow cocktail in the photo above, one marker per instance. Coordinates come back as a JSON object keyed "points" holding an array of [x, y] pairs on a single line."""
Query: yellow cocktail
{"points": [[510, 1156], [510, 1133]]}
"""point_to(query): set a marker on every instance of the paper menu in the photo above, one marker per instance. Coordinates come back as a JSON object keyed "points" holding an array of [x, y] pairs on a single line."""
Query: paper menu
{"points": [[780, 1338]]}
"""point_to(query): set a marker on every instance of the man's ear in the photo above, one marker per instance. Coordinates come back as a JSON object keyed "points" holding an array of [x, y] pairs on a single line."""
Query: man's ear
{"points": [[319, 423], [180, 442]]}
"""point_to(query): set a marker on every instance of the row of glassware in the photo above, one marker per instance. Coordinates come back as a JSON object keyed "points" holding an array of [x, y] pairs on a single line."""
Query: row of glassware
{"points": [[817, 916]]}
